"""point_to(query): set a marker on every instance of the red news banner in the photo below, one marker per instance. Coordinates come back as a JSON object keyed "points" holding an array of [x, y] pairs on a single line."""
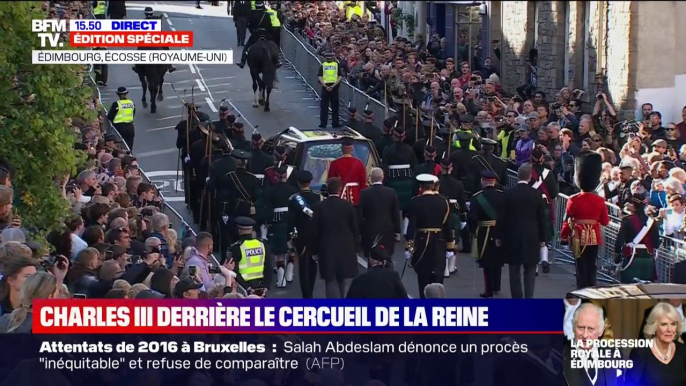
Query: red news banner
{"points": [[131, 39]]}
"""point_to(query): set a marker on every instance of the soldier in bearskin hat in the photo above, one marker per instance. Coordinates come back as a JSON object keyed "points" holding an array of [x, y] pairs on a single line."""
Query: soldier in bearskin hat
{"points": [[585, 214], [637, 241]]}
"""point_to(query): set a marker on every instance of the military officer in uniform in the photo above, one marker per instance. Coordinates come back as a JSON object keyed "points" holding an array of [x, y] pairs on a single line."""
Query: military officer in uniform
{"points": [[277, 201], [453, 190], [221, 165], [236, 196], [488, 161], [398, 162], [545, 180], [429, 235], [250, 256], [483, 215], [386, 137], [367, 128], [429, 166], [223, 126], [220, 148], [330, 76], [197, 152], [300, 229], [121, 114]]}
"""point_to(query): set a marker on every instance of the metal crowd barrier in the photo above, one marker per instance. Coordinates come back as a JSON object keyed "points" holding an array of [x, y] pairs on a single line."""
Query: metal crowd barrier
{"points": [[175, 219], [670, 252], [301, 55]]}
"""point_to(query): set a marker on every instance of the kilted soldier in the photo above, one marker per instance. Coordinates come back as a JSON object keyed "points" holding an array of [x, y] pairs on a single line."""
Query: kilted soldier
{"points": [[238, 137], [197, 152], [259, 162], [483, 215], [545, 180], [353, 119], [220, 167], [637, 242], [398, 163], [367, 128], [222, 153], [586, 212], [386, 137], [223, 126], [488, 161], [280, 155], [236, 192], [276, 203], [453, 190], [185, 136], [429, 235]]}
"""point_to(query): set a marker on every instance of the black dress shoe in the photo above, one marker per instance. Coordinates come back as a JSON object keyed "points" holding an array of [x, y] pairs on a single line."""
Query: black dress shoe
{"points": [[546, 267], [486, 296], [322, 126]]}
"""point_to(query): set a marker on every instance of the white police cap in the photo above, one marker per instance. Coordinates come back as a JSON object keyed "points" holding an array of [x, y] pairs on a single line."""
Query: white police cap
{"points": [[427, 178]]}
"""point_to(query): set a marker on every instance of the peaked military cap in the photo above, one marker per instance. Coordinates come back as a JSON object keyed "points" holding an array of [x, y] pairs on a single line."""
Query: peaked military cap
{"points": [[488, 141], [488, 175], [427, 178], [240, 154], [304, 176]]}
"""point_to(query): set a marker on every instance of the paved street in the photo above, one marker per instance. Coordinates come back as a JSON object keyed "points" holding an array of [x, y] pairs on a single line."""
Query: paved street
{"points": [[292, 105]]}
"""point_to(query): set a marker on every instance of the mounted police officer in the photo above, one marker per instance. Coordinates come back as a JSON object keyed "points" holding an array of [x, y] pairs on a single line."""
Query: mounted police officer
{"points": [[300, 228], [429, 236], [260, 26], [488, 161], [251, 257], [398, 162], [236, 196], [483, 216], [121, 114], [330, 76]]}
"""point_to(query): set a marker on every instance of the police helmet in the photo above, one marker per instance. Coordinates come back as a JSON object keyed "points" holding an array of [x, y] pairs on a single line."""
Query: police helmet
{"points": [[148, 12], [259, 4]]}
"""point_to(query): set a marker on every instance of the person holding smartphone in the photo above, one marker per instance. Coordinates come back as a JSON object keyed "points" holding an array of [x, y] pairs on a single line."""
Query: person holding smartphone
{"points": [[672, 217]]}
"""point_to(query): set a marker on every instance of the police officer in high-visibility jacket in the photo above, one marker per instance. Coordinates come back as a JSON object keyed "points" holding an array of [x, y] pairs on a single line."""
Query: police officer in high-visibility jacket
{"points": [[121, 115], [276, 23], [253, 271], [330, 75], [100, 9]]}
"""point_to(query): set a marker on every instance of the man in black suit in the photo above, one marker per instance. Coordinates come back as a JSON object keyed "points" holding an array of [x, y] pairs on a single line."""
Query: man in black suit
{"points": [[334, 240], [241, 14], [380, 281], [588, 323], [378, 212], [522, 229]]}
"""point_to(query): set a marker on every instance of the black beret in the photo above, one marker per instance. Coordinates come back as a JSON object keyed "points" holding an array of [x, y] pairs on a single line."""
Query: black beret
{"points": [[446, 162], [368, 112], [282, 170], [238, 125], [257, 137], [202, 117], [304, 176], [399, 131], [352, 109], [387, 123], [379, 253], [430, 149], [223, 109], [231, 118]]}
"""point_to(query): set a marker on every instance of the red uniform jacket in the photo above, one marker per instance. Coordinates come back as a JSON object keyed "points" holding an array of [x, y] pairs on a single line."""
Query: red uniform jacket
{"points": [[353, 175], [584, 208]]}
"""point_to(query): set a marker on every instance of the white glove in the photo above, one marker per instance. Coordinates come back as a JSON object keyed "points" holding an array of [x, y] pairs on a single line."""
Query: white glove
{"points": [[207, 179], [408, 255], [462, 225], [449, 254], [187, 159]]}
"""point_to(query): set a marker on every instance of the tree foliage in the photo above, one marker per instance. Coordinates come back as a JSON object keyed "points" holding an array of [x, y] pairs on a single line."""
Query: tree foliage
{"points": [[36, 107]]}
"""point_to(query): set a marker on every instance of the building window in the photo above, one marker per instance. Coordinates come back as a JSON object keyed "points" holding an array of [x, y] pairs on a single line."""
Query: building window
{"points": [[468, 29], [588, 9]]}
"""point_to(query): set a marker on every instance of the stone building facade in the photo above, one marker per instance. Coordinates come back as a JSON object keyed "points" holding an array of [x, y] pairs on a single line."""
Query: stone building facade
{"points": [[594, 45]]}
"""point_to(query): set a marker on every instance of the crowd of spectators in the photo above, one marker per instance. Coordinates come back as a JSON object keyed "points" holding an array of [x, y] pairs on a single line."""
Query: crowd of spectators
{"points": [[463, 93]]}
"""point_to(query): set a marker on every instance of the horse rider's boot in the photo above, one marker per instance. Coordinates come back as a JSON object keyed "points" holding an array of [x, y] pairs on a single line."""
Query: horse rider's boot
{"points": [[241, 64]]}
